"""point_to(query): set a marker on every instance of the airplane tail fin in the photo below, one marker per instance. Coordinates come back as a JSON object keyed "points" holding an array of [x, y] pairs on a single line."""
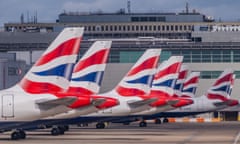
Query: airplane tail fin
{"points": [[179, 83], [88, 72], [220, 89], [53, 70], [166, 76], [190, 85], [139, 79]]}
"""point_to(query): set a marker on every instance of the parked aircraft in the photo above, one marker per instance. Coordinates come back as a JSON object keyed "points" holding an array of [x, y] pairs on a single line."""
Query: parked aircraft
{"points": [[162, 91], [216, 98], [136, 82], [141, 74], [85, 82], [33, 97], [181, 78]]}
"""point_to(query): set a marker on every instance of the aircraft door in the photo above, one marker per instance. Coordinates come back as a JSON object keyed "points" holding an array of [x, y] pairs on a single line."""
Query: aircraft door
{"points": [[7, 105]]}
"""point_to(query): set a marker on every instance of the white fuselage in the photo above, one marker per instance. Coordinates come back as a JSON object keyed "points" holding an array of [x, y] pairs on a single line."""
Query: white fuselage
{"points": [[19, 106], [201, 104], [153, 110]]}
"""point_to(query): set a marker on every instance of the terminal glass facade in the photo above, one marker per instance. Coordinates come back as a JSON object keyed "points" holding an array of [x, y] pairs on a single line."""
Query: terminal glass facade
{"points": [[190, 56]]}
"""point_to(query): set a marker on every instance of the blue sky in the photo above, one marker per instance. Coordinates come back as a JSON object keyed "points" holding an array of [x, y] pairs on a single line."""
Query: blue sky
{"points": [[48, 10]]}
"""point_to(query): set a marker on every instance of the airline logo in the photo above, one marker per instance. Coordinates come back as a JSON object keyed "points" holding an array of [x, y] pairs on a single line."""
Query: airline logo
{"points": [[88, 72], [190, 85], [179, 83], [220, 88], [165, 78], [52, 72], [139, 79]]}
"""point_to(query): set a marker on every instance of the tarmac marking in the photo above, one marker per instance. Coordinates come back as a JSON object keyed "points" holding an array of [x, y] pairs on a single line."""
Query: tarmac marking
{"points": [[237, 138], [190, 137]]}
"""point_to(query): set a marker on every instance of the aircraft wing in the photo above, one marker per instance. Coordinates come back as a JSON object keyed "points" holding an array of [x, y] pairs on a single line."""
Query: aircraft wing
{"points": [[98, 101], [140, 103], [49, 104]]}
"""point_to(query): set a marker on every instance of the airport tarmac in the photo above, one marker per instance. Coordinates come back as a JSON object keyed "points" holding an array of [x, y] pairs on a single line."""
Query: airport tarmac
{"points": [[171, 133]]}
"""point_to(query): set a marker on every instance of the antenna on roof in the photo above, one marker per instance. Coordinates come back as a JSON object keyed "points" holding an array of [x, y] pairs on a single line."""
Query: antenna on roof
{"points": [[187, 8], [129, 6], [22, 18]]}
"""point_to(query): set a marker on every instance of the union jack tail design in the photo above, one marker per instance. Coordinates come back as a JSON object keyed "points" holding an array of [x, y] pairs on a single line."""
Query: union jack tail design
{"points": [[53, 70], [190, 85], [179, 83], [166, 76], [220, 89], [139, 79], [88, 72]]}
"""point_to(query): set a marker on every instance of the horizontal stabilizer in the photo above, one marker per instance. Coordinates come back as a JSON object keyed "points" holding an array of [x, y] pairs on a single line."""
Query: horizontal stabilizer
{"points": [[142, 102], [172, 102], [220, 104], [49, 104], [98, 101], [229, 102]]}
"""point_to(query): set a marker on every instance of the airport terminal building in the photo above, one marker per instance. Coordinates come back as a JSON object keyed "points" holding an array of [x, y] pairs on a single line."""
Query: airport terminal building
{"points": [[208, 46]]}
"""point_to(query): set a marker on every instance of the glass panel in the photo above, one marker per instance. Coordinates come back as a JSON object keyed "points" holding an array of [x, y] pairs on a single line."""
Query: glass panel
{"points": [[215, 74], [130, 56], [206, 56], [12, 71], [114, 57], [196, 56], [236, 55], [186, 56], [175, 52], [226, 57], [217, 56], [237, 74], [165, 55], [205, 75]]}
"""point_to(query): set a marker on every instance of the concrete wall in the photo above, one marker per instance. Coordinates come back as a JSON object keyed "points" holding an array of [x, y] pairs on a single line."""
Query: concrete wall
{"points": [[220, 36]]}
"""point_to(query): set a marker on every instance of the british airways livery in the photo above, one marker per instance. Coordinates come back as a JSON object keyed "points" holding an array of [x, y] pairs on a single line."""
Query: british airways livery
{"points": [[136, 82], [162, 91], [34, 96], [85, 82], [216, 98]]}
